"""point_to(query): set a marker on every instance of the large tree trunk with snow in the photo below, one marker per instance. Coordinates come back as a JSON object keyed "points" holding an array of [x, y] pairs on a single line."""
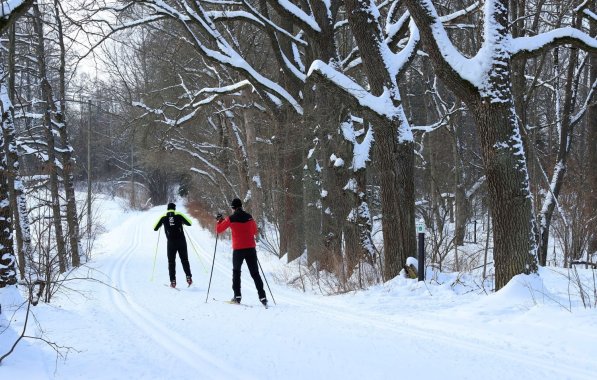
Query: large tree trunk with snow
{"points": [[292, 232], [394, 154], [335, 161], [18, 204], [331, 156], [491, 104], [507, 183], [395, 162], [8, 272]]}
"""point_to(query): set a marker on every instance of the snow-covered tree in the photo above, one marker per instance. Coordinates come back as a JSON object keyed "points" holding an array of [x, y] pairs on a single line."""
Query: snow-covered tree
{"points": [[10, 11], [484, 83]]}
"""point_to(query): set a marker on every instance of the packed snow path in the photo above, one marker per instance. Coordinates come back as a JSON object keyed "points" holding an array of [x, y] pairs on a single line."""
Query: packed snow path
{"points": [[142, 329]]}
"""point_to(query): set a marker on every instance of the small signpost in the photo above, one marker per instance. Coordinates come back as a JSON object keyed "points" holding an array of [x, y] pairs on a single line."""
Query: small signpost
{"points": [[420, 227]]}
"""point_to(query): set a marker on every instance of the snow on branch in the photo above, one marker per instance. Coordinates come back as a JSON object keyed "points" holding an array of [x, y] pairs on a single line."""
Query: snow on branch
{"points": [[266, 20], [590, 14], [12, 9], [226, 89], [306, 21], [583, 110], [195, 106], [401, 59], [9, 6], [461, 13], [223, 52], [443, 122], [534, 45], [473, 70], [381, 105], [233, 15], [476, 186], [361, 151]]}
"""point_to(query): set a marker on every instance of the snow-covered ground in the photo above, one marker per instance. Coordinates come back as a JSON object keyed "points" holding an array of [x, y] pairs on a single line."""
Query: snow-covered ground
{"points": [[126, 326]]}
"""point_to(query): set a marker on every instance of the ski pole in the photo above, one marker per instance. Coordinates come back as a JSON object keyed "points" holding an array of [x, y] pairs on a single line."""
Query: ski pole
{"points": [[268, 288], [155, 255], [197, 253], [212, 269]]}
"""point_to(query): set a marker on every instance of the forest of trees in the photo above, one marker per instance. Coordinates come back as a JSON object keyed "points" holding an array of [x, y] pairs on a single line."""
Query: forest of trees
{"points": [[338, 123]]}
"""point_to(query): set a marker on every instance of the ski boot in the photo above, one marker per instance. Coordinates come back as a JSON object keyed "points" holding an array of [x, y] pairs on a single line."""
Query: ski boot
{"points": [[189, 280]]}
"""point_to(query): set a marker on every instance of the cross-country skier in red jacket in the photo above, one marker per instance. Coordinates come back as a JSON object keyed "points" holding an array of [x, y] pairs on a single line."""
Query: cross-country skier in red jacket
{"points": [[244, 230]]}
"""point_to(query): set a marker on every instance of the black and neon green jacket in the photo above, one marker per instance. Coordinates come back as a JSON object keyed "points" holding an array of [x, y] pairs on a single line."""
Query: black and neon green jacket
{"points": [[173, 221]]}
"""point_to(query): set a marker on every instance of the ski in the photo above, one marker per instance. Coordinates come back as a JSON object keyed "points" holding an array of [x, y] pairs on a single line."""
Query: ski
{"points": [[234, 303], [168, 286]]}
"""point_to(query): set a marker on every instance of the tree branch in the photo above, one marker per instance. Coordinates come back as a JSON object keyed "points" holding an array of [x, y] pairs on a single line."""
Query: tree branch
{"points": [[8, 14], [528, 47]]}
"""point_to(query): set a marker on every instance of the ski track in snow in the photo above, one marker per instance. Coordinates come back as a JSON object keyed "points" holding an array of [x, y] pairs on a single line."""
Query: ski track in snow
{"points": [[179, 346], [483, 341], [176, 334]]}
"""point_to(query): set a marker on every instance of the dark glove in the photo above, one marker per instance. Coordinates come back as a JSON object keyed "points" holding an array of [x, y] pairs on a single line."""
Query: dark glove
{"points": [[219, 217]]}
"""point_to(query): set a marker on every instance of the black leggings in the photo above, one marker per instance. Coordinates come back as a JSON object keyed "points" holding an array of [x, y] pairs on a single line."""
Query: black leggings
{"points": [[180, 246], [250, 255]]}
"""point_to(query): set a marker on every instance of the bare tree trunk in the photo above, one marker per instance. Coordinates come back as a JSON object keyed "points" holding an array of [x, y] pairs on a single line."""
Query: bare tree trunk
{"points": [[68, 163], [461, 202], [592, 150], [560, 167], [240, 153], [292, 156], [51, 167], [255, 186], [12, 159]]}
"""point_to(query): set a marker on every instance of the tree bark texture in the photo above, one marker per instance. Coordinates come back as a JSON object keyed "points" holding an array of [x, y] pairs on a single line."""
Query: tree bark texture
{"points": [[394, 156], [502, 149], [50, 165], [8, 270], [461, 202], [507, 183], [255, 186], [18, 204], [592, 151], [66, 156], [292, 231], [396, 166]]}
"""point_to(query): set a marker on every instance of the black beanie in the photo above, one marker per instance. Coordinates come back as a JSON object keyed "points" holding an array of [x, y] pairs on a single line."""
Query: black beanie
{"points": [[171, 206], [236, 203]]}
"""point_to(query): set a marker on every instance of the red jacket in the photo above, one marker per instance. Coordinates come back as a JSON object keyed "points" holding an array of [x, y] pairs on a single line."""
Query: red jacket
{"points": [[243, 229]]}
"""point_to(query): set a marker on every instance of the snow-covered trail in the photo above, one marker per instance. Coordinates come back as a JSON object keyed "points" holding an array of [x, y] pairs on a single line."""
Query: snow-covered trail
{"points": [[137, 328]]}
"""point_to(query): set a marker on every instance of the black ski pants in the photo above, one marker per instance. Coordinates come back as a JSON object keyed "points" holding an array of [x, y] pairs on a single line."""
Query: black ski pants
{"points": [[180, 246], [250, 256]]}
